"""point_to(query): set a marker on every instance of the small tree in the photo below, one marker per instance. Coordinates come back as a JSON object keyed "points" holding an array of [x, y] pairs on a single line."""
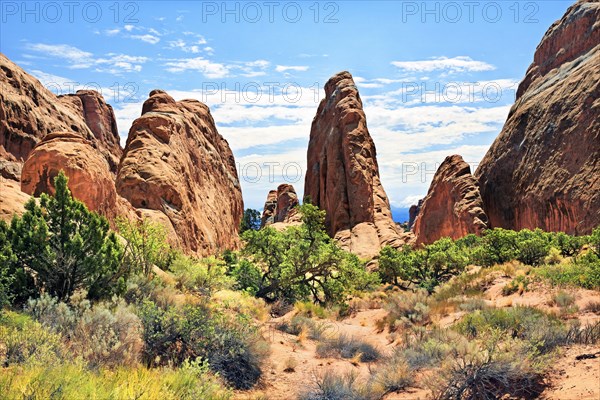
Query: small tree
{"points": [[66, 247], [250, 220], [302, 262], [146, 244]]}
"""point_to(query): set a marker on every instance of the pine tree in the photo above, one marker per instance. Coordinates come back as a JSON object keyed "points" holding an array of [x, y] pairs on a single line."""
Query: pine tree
{"points": [[67, 247]]}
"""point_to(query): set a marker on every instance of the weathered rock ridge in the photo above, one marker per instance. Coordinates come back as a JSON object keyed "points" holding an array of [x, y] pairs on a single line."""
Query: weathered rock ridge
{"points": [[342, 174], [453, 206], [543, 170]]}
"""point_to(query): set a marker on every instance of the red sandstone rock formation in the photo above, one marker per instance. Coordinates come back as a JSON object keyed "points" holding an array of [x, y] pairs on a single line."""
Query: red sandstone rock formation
{"points": [[342, 174], [269, 210], [100, 118], [453, 206], [29, 111], [89, 176], [543, 170], [280, 206], [175, 162]]}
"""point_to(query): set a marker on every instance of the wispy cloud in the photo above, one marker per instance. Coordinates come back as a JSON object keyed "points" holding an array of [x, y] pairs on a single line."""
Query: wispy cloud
{"points": [[285, 68], [146, 38], [208, 68], [79, 59], [455, 64]]}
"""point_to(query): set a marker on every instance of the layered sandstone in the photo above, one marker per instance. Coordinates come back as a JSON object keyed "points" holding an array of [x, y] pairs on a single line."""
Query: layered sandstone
{"points": [[453, 207], [280, 206], [176, 163], [543, 171], [342, 174], [100, 119]]}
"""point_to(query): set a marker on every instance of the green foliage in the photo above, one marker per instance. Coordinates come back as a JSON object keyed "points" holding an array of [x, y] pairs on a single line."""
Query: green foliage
{"points": [[582, 271], [594, 240], [498, 246], [102, 334], [24, 341], [231, 344], [250, 220], [73, 380], [532, 246], [66, 246], [146, 245], [407, 309], [302, 263], [203, 276], [541, 332], [518, 284], [567, 244], [246, 275], [427, 267]]}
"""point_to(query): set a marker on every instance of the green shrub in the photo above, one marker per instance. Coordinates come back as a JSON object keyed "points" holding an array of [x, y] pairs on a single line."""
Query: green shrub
{"points": [[406, 309], [204, 276], [563, 299], [426, 268], [532, 246], [102, 335], [316, 330], [541, 332], [569, 245], [583, 271], [24, 341], [247, 276], [498, 246], [331, 386], [66, 246], [393, 376], [231, 344], [348, 347], [554, 256], [146, 245], [474, 373]]}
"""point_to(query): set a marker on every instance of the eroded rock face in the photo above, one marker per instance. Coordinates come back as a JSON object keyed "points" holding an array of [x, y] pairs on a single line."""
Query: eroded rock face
{"points": [[100, 118], [342, 174], [269, 210], [413, 211], [453, 206], [29, 111], [543, 169], [12, 199], [175, 162], [89, 175], [281, 206]]}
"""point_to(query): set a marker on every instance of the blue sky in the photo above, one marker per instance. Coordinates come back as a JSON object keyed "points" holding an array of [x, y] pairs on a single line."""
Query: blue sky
{"points": [[436, 78]]}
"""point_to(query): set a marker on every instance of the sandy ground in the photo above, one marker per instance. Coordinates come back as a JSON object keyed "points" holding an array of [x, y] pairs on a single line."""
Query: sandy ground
{"points": [[569, 378], [575, 379]]}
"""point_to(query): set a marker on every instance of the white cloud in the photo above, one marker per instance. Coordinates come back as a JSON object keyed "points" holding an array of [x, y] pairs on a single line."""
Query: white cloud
{"points": [[79, 59], [128, 28], [63, 51], [455, 64], [208, 68], [146, 38], [112, 32], [284, 68]]}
